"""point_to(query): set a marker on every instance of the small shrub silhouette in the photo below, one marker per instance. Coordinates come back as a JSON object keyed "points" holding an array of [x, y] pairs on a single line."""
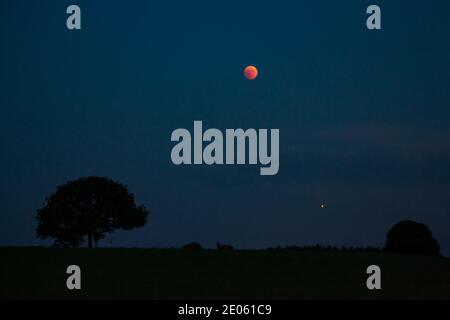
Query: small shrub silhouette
{"points": [[193, 246], [224, 246]]}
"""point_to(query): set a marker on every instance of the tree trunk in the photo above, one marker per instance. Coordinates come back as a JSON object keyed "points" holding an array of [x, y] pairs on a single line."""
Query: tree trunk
{"points": [[90, 240]]}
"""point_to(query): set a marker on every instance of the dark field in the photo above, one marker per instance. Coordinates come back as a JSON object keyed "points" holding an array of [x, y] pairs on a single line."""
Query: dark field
{"points": [[209, 274]]}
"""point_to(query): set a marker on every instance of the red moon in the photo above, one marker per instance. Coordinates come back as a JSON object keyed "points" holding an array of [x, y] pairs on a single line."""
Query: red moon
{"points": [[251, 72]]}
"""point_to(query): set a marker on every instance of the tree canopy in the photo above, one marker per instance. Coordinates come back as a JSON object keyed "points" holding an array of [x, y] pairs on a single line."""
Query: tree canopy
{"points": [[89, 208], [412, 238]]}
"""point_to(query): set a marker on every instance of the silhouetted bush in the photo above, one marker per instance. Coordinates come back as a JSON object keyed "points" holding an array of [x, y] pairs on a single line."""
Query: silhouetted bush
{"points": [[410, 237], [320, 248], [193, 246], [224, 246]]}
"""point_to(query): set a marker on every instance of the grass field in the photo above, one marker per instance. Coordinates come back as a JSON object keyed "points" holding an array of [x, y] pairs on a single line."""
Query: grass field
{"points": [[28, 273]]}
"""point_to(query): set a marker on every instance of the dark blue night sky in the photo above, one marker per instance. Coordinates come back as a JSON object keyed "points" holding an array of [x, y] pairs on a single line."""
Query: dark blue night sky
{"points": [[364, 117]]}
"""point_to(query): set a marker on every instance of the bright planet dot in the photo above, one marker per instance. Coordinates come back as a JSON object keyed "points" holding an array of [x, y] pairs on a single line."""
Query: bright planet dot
{"points": [[322, 206], [250, 72]]}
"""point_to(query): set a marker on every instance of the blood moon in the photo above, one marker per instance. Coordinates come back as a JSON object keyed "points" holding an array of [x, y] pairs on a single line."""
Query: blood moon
{"points": [[250, 72]]}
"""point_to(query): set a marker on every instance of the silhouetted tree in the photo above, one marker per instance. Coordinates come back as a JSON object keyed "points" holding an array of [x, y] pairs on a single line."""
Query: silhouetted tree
{"points": [[88, 207], [412, 238]]}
